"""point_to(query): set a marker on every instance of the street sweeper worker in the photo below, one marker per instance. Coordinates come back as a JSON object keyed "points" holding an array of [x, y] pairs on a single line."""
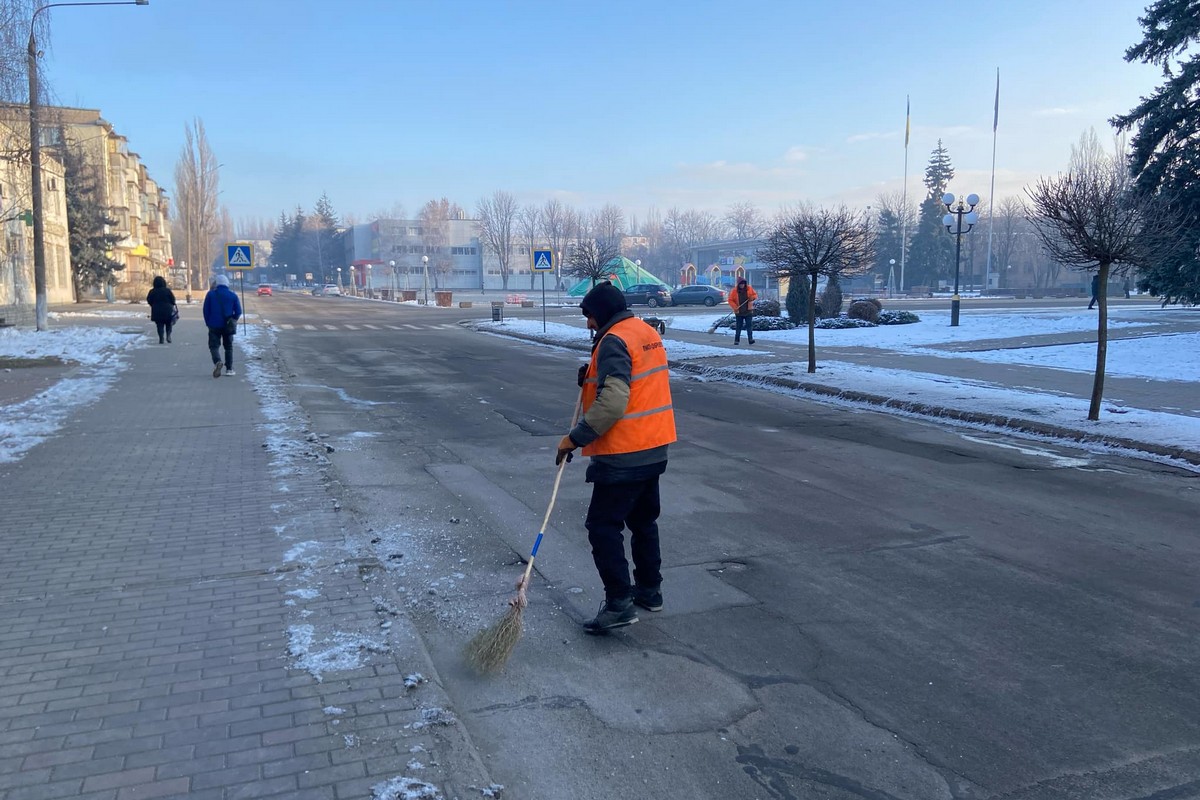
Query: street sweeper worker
{"points": [[741, 300], [626, 426]]}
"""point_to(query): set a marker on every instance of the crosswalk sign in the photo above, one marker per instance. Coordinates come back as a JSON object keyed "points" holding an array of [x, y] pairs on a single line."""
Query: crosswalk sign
{"points": [[543, 260], [239, 256]]}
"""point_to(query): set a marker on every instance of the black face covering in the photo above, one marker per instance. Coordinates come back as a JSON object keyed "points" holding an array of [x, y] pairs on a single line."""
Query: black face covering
{"points": [[603, 303]]}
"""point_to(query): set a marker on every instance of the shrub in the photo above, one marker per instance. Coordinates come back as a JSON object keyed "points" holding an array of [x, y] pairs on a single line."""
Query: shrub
{"points": [[843, 322], [763, 323], [863, 309], [872, 300], [767, 308], [830, 304], [797, 300], [897, 318]]}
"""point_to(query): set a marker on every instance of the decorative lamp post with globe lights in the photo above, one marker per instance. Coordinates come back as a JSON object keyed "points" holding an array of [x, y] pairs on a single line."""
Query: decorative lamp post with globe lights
{"points": [[957, 213]]}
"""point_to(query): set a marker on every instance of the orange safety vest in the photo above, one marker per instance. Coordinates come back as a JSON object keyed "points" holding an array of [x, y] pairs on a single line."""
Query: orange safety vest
{"points": [[649, 419]]}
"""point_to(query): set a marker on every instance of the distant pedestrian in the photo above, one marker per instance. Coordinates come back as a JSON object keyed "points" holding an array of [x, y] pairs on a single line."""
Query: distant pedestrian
{"points": [[627, 423], [1127, 288], [1095, 290], [221, 314], [163, 310], [741, 300]]}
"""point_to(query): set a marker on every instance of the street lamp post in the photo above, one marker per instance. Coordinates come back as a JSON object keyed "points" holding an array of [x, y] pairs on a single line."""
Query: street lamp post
{"points": [[339, 271], [392, 266], [891, 276], [964, 208], [35, 161], [370, 291], [425, 268]]}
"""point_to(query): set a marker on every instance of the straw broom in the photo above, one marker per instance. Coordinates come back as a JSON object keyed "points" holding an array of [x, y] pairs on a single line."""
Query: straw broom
{"points": [[492, 647]]}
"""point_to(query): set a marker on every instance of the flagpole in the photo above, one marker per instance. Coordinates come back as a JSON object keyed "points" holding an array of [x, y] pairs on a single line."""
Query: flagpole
{"points": [[904, 196], [987, 273]]}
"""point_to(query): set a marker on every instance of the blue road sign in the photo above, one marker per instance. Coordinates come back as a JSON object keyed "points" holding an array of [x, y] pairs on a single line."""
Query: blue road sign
{"points": [[239, 256], [543, 260]]}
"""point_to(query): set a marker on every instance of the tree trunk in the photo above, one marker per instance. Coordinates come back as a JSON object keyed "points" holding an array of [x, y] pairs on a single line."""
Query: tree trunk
{"points": [[1101, 344], [812, 323]]}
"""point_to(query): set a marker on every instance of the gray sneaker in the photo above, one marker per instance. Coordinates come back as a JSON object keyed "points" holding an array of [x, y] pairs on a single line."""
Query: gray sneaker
{"points": [[649, 599], [217, 370], [612, 614]]}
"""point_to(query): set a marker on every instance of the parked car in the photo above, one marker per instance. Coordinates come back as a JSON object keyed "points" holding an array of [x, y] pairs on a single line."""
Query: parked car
{"points": [[264, 290], [697, 295], [317, 291], [650, 294], [331, 290]]}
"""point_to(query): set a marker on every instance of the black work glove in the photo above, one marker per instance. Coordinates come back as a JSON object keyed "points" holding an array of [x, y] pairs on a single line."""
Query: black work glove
{"points": [[582, 375]]}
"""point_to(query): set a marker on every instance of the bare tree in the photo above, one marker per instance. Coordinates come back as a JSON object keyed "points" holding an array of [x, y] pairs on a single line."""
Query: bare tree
{"points": [[197, 184], [529, 219], [1091, 218], [554, 226], [609, 224], [14, 40], [435, 219], [590, 258], [745, 221], [395, 212], [497, 214], [808, 243]]}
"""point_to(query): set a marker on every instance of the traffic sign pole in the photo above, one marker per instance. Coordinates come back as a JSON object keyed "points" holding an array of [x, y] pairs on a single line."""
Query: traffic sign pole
{"points": [[542, 261]]}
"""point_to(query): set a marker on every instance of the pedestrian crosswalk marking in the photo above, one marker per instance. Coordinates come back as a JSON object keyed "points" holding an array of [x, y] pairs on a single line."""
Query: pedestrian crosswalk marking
{"points": [[310, 327], [351, 327], [391, 327], [287, 327], [414, 327], [372, 327], [346, 326], [331, 327]]}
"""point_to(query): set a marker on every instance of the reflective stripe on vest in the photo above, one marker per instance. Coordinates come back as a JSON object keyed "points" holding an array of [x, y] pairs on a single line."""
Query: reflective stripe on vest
{"points": [[649, 420]]}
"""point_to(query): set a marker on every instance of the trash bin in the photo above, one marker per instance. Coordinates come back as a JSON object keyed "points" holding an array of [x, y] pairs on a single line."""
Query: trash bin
{"points": [[497, 311]]}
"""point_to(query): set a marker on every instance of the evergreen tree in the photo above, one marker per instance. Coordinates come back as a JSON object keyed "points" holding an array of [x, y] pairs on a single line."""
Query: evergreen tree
{"points": [[932, 254], [89, 226], [1165, 159], [797, 301]]}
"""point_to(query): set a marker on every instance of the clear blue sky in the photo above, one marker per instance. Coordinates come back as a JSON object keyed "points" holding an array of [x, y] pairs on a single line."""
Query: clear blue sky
{"points": [[696, 104]]}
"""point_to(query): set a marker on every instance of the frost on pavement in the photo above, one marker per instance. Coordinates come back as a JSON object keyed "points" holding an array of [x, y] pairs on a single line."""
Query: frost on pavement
{"points": [[405, 788]]}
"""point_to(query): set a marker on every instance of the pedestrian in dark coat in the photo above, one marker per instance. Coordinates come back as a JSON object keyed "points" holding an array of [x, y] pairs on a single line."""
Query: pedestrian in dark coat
{"points": [[1095, 290], [221, 314], [162, 308]]}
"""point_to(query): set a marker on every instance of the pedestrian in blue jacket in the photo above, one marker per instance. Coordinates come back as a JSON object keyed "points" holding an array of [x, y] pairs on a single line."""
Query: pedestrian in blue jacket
{"points": [[221, 314]]}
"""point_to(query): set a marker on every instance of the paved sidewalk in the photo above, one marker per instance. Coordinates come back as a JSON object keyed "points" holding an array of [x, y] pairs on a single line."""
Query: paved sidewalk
{"points": [[175, 580]]}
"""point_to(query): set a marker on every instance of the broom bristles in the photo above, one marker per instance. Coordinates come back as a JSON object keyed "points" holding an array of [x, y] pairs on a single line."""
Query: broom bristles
{"points": [[492, 647]]}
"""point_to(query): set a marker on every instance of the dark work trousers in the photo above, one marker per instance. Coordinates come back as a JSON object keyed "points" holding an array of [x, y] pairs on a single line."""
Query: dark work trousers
{"points": [[163, 327], [218, 338], [614, 506], [748, 324]]}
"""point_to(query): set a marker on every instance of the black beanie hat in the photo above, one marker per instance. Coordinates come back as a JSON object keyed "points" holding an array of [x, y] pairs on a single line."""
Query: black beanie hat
{"points": [[603, 303]]}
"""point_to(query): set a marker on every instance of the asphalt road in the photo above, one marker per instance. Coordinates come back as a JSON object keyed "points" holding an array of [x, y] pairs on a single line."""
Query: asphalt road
{"points": [[858, 605]]}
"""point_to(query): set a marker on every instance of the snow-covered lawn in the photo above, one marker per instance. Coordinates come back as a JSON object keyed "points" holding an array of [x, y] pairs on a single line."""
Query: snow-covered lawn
{"points": [[97, 351], [558, 333]]}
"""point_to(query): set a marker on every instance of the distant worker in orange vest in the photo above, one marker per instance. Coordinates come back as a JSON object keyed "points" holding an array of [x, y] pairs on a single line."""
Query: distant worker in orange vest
{"points": [[741, 300], [626, 426]]}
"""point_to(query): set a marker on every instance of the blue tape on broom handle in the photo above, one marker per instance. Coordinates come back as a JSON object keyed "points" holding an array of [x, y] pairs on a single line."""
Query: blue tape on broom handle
{"points": [[536, 545]]}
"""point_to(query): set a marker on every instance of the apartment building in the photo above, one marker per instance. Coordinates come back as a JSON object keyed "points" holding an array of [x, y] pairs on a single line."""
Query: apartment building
{"points": [[16, 226], [134, 199]]}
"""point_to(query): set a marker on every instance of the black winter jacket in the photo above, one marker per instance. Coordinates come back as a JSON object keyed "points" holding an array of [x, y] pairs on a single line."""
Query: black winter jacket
{"points": [[162, 304]]}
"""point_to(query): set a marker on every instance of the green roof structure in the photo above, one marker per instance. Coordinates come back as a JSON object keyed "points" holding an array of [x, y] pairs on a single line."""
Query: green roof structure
{"points": [[622, 272]]}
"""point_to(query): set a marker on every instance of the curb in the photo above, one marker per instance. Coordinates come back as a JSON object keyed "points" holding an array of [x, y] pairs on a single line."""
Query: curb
{"points": [[1017, 424]]}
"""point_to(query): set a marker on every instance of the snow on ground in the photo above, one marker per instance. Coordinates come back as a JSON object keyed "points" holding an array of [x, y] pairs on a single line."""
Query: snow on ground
{"points": [[934, 328], [98, 313], [1170, 357], [98, 351], [986, 398], [81, 345]]}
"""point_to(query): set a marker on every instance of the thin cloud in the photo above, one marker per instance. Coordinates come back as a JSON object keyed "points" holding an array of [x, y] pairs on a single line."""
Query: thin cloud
{"points": [[1059, 111], [870, 137], [796, 154]]}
